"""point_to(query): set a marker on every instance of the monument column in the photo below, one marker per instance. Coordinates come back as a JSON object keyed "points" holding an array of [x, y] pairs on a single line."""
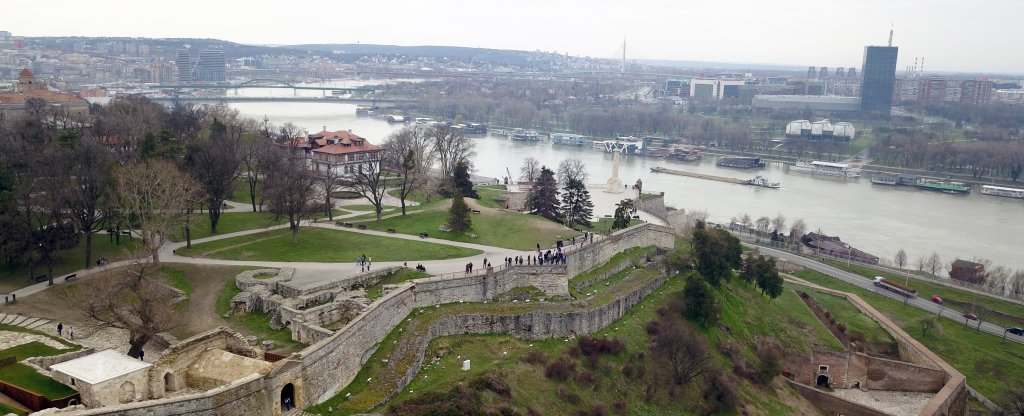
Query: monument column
{"points": [[614, 183]]}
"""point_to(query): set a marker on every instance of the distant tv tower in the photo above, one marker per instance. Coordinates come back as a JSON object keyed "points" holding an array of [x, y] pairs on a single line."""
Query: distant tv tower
{"points": [[890, 34]]}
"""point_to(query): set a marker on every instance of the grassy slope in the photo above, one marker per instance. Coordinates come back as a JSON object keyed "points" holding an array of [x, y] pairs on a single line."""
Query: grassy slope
{"points": [[991, 365], [855, 321], [927, 289], [322, 245], [745, 312], [493, 228], [25, 377]]}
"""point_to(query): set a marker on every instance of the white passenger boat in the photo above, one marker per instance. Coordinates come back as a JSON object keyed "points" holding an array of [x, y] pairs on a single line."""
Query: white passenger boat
{"points": [[1002, 191], [826, 168]]}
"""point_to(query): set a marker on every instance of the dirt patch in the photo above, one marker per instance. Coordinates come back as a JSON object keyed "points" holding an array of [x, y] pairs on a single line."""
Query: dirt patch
{"points": [[207, 283], [985, 312]]}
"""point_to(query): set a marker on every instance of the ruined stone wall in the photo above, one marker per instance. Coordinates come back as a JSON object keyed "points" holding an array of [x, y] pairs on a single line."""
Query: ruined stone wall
{"points": [[173, 364], [882, 374], [46, 362], [367, 278], [832, 405]]}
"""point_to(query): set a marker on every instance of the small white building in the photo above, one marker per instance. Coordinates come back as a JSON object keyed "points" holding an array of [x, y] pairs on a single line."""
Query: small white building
{"points": [[105, 378]]}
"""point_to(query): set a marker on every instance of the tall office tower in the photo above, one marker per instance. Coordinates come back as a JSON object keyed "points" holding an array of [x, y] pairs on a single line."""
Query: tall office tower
{"points": [[851, 73], [811, 73], [879, 78], [823, 72], [840, 73], [184, 63], [211, 66]]}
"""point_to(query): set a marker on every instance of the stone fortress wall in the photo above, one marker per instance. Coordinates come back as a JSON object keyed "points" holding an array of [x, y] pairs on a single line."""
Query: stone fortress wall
{"points": [[332, 362]]}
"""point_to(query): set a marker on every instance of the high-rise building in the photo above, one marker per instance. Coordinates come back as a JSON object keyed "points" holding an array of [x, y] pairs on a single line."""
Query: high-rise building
{"points": [[851, 73], [211, 66], [184, 63], [823, 72], [811, 73], [976, 91], [932, 90], [878, 79]]}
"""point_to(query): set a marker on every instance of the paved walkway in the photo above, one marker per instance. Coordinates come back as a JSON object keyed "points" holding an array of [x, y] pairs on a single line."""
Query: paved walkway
{"points": [[312, 273]]}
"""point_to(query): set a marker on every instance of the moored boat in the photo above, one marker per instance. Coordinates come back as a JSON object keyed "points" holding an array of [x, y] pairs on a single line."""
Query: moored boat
{"points": [[944, 186], [826, 168], [684, 154], [1002, 191], [569, 139], [525, 135], [741, 162], [883, 178]]}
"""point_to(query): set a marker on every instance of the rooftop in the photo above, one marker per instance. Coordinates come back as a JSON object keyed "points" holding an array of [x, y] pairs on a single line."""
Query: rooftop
{"points": [[101, 366]]}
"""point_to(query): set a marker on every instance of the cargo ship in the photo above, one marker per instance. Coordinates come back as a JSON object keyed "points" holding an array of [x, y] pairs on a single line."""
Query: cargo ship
{"points": [[740, 162]]}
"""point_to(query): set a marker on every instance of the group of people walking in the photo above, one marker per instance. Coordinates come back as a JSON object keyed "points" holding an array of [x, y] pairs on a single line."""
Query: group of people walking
{"points": [[364, 262]]}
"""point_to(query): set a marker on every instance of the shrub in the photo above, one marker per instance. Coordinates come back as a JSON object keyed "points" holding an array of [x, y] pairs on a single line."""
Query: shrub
{"points": [[620, 405], [841, 327], [535, 357], [492, 382], [632, 371], [720, 396], [769, 354], [598, 409], [586, 377], [593, 346], [533, 412], [560, 370], [653, 328]]}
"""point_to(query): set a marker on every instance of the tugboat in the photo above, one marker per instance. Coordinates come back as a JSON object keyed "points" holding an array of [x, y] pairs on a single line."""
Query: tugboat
{"points": [[762, 182]]}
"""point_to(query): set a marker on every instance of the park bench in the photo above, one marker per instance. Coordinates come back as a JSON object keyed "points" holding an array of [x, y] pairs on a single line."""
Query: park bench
{"points": [[70, 276], [361, 227], [348, 224], [339, 223], [41, 278], [476, 211], [391, 230]]}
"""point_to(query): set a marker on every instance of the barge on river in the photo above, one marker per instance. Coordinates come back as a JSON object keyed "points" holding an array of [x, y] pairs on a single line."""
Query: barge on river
{"points": [[740, 162]]}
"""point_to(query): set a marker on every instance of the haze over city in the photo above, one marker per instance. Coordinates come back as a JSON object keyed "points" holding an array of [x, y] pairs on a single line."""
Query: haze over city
{"points": [[954, 36]]}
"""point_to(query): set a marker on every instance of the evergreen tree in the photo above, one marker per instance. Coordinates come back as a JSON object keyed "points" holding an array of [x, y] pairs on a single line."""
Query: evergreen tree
{"points": [[577, 208], [768, 278], [717, 253], [461, 181], [698, 300], [543, 197], [623, 213], [458, 215]]}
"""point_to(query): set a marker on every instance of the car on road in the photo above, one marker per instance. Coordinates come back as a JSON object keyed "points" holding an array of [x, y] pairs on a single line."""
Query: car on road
{"points": [[936, 299], [971, 316], [1016, 331]]}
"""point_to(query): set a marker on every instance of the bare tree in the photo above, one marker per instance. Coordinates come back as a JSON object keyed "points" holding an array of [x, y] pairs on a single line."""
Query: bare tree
{"points": [[407, 152], [571, 169], [84, 170], [370, 181], [125, 121], [779, 223], [763, 223], [253, 153], [450, 147], [215, 160], [901, 259], [797, 230], [934, 263], [921, 263], [155, 196], [127, 299], [530, 170], [747, 222], [289, 190], [681, 350]]}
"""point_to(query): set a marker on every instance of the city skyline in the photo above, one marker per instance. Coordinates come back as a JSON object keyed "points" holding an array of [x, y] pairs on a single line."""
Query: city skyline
{"points": [[949, 35]]}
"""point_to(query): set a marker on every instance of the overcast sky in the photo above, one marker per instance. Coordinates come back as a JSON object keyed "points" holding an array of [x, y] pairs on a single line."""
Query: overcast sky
{"points": [[952, 35]]}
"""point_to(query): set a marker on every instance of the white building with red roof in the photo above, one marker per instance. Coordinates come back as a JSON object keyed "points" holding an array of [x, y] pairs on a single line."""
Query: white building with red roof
{"points": [[341, 151]]}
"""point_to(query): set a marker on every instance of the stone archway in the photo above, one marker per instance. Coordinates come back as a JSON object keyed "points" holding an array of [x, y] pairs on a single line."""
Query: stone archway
{"points": [[287, 397], [821, 381], [169, 382]]}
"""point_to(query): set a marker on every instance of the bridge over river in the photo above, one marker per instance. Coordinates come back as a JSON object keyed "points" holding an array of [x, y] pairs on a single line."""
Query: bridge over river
{"points": [[376, 102]]}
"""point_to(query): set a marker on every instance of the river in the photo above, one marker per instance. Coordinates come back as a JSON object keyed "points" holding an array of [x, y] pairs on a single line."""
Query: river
{"points": [[874, 218]]}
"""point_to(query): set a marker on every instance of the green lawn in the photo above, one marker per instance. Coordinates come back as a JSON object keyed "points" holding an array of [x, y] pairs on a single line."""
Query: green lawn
{"points": [[322, 245], [489, 195], [5, 409], [415, 195], [69, 261], [32, 349], [376, 291], [241, 192], [368, 207], [990, 364], [950, 295], [229, 222], [25, 377], [493, 228], [175, 276], [856, 322], [746, 313]]}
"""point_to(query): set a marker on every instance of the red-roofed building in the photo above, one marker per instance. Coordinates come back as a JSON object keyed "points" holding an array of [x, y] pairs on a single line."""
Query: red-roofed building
{"points": [[342, 151]]}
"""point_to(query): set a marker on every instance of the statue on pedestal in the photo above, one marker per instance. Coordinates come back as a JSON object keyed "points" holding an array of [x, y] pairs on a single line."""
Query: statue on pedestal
{"points": [[614, 183]]}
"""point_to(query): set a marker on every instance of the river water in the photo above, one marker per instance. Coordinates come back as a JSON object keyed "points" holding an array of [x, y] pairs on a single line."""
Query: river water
{"points": [[874, 218]]}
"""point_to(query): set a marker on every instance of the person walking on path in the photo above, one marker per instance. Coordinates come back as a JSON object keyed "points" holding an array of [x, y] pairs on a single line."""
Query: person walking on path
{"points": [[142, 355], [71, 331], [60, 328]]}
